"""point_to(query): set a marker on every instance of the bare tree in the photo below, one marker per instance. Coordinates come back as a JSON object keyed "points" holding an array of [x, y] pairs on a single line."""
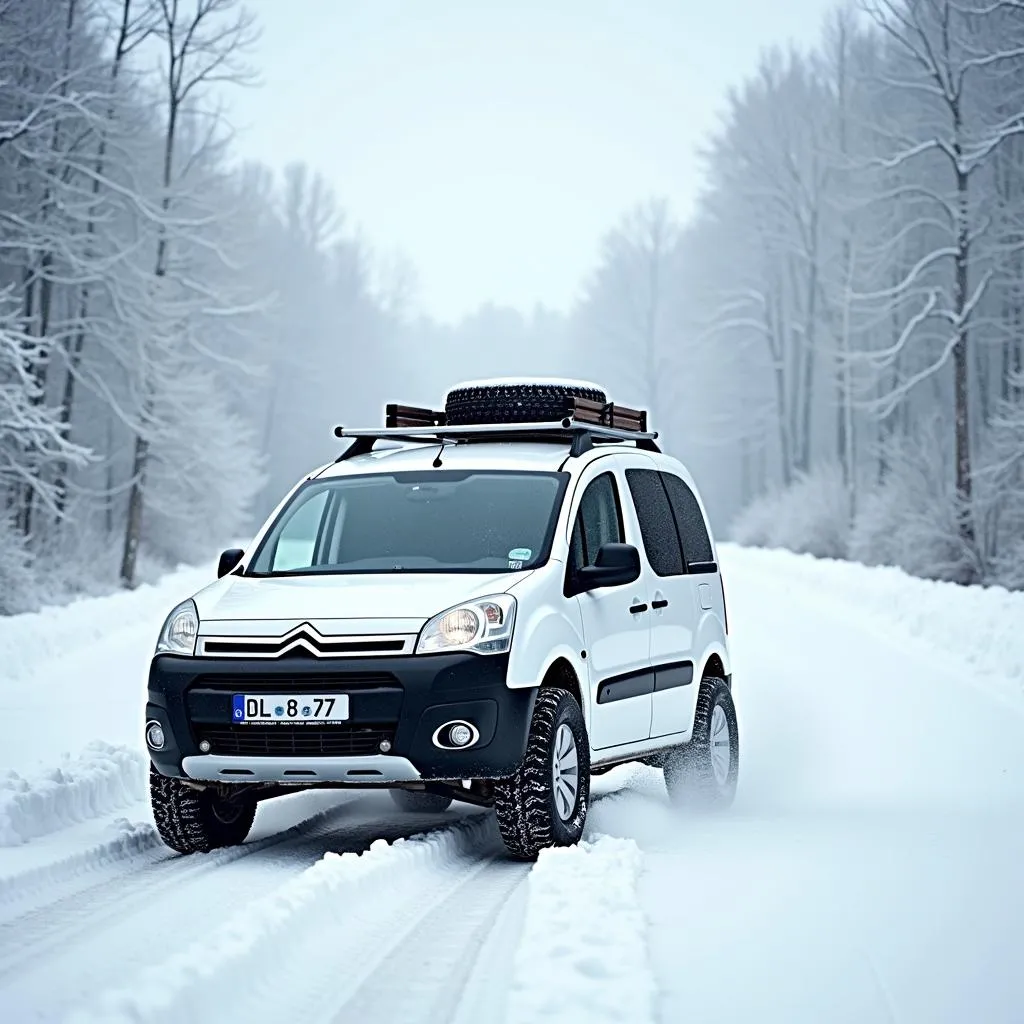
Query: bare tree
{"points": [[949, 70], [202, 44], [631, 295]]}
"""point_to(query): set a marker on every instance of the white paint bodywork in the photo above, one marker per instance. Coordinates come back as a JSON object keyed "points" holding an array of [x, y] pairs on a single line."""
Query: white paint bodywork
{"points": [[593, 633]]}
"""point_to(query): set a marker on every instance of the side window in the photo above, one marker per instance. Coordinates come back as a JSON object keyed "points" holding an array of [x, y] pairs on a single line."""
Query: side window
{"points": [[598, 521], [657, 525], [689, 520]]}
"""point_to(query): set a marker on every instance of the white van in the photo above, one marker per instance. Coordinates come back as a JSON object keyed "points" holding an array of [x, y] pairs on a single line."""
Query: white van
{"points": [[489, 603]]}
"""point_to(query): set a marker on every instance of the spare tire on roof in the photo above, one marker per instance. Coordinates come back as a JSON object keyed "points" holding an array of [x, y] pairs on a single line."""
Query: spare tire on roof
{"points": [[515, 401]]}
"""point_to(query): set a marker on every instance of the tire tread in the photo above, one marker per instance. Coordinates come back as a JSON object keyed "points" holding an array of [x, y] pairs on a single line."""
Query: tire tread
{"points": [[184, 820], [513, 403], [523, 802]]}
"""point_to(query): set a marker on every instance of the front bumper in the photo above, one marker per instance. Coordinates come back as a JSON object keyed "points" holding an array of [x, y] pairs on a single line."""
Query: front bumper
{"points": [[402, 700]]}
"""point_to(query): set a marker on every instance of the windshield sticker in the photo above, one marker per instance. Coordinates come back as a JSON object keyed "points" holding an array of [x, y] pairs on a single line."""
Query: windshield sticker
{"points": [[517, 556]]}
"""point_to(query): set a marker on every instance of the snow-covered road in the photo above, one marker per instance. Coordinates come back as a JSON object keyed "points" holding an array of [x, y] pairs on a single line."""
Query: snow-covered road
{"points": [[872, 868]]}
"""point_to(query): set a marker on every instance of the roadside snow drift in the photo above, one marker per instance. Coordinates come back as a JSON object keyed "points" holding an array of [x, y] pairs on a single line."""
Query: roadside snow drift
{"points": [[72, 696], [978, 629]]}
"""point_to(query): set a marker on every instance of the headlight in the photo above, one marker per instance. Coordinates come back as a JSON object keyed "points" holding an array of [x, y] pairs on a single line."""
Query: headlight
{"points": [[180, 630], [483, 626]]}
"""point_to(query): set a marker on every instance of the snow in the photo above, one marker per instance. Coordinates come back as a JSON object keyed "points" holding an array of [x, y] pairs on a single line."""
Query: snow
{"points": [[185, 984], [573, 896], [976, 629], [72, 705], [871, 870], [103, 779]]}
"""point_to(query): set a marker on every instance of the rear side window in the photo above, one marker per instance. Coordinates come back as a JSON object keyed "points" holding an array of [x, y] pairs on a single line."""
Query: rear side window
{"points": [[693, 532], [657, 524]]}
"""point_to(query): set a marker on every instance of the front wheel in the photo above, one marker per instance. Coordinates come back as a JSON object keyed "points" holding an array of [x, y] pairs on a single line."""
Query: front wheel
{"points": [[702, 774], [196, 821], [545, 802]]}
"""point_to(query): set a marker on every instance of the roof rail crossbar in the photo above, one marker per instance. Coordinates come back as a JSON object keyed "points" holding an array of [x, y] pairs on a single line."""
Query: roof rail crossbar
{"points": [[581, 434]]}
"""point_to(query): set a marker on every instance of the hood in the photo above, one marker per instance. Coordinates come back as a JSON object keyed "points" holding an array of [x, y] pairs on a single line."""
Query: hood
{"points": [[404, 600]]}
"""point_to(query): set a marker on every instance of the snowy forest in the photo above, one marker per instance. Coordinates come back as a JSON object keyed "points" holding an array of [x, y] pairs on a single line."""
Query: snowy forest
{"points": [[835, 339], [854, 292], [831, 338]]}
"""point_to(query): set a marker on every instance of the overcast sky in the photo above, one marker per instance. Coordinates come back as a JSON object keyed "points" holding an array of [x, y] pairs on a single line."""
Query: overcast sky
{"points": [[494, 143]]}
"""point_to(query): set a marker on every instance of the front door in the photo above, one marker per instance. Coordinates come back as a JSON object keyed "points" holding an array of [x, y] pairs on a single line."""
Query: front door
{"points": [[616, 620]]}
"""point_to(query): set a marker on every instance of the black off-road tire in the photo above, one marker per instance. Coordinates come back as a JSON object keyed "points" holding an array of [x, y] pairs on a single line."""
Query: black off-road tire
{"points": [[689, 769], [196, 821], [415, 802], [525, 802], [513, 403]]}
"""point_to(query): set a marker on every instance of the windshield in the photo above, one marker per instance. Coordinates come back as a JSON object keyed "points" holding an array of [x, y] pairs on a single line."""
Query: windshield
{"points": [[439, 521]]}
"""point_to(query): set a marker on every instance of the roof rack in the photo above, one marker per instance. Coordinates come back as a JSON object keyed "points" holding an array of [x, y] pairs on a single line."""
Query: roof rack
{"points": [[583, 422]]}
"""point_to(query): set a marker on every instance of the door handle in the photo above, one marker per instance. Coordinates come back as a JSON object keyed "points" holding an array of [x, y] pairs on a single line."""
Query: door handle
{"points": [[659, 604], [636, 609]]}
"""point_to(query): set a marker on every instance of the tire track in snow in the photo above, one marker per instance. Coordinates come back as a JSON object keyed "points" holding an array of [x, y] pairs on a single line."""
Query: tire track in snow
{"points": [[291, 954], [120, 861], [442, 951], [135, 844], [436, 931], [95, 937]]}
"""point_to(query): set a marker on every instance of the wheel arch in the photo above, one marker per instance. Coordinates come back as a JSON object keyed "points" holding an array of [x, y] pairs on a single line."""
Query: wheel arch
{"points": [[714, 666], [562, 674]]}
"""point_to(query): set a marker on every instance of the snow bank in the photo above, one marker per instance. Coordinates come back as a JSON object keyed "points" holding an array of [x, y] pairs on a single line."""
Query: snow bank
{"points": [[979, 628], [72, 694], [105, 778], [186, 984], [31, 641], [583, 953]]}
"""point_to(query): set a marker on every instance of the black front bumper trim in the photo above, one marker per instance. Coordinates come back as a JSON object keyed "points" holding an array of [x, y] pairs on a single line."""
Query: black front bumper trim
{"points": [[405, 697]]}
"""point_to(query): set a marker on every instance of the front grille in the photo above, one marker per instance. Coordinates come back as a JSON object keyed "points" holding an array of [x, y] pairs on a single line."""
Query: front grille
{"points": [[300, 645], [296, 740]]}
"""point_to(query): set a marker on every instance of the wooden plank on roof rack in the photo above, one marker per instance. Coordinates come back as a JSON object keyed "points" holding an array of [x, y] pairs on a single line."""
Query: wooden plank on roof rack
{"points": [[411, 416], [583, 410]]}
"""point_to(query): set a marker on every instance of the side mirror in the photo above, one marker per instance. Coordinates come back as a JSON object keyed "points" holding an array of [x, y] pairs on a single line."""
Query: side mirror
{"points": [[229, 561], [616, 565]]}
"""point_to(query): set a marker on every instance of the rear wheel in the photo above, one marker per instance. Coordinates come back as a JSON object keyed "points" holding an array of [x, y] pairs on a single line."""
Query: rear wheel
{"points": [[702, 774], [196, 821], [545, 802], [415, 802]]}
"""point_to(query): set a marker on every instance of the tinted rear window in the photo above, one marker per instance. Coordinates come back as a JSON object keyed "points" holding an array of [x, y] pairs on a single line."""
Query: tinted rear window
{"points": [[657, 525], [689, 520]]}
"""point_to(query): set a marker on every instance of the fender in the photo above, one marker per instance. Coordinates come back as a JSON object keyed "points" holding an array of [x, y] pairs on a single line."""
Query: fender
{"points": [[548, 629], [710, 641]]}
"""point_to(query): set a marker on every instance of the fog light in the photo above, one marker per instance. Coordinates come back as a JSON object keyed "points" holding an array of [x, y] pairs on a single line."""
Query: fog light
{"points": [[204, 746], [385, 746], [460, 735], [155, 735], [455, 735]]}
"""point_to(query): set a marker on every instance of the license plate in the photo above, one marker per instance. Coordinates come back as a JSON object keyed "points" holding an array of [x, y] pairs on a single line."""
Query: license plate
{"points": [[290, 708]]}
